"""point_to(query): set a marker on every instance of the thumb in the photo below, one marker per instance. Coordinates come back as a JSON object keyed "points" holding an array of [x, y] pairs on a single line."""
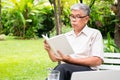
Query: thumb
{"points": [[60, 53]]}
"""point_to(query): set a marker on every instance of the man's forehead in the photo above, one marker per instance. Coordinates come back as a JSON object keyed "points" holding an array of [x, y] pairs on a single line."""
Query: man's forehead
{"points": [[77, 12]]}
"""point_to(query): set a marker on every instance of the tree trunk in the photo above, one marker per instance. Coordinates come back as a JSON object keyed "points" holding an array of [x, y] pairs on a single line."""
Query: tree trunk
{"points": [[91, 3], [57, 13], [0, 19], [59, 30], [117, 27], [81, 1]]}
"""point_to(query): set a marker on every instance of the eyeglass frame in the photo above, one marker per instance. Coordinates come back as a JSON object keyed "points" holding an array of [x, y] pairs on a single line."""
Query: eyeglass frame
{"points": [[77, 17]]}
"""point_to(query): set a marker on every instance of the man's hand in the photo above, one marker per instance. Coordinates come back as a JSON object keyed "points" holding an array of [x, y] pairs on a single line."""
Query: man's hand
{"points": [[63, 57], [46, 46]]}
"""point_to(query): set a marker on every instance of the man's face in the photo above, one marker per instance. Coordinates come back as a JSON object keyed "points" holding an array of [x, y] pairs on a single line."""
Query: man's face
{"points": [[78, 19]]}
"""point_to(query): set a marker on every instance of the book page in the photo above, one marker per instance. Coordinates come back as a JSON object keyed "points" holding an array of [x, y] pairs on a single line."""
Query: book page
{"points": [[45, 37], [60, 43]]}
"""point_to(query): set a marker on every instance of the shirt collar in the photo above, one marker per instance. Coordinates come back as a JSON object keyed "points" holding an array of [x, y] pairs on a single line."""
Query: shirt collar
{"points": [[84, 31]]}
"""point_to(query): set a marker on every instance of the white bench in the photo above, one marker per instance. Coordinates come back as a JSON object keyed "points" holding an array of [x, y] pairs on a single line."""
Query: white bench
{"points": [[109, 70], [97, 75], [111, 61]]}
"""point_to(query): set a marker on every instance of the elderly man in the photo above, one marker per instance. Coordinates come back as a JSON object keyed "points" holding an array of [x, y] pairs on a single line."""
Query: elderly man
{"points": [[86, 42]]}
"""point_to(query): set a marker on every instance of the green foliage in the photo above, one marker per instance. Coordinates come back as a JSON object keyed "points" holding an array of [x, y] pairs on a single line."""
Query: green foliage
{"points": [[102, 18], [110, 45], [18, 12], [47, 15], [65, 16], [26, 19]]}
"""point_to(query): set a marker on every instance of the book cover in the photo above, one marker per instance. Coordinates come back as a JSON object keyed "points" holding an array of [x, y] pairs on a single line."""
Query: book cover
{"points": [[60, 43]]}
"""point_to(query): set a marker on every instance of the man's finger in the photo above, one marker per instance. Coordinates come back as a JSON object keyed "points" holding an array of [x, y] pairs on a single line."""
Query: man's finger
{"points": [[60, 53]]}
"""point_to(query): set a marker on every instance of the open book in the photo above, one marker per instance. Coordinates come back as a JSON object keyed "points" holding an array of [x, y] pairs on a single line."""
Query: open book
{"points": [[60, 43]]}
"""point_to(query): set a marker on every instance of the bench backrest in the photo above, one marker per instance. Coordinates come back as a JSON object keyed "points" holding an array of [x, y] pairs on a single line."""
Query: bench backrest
{"points": [[111, 61]]}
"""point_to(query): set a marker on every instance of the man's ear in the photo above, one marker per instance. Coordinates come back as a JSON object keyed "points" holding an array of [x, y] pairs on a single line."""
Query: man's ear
{"points": [[87, 19]]}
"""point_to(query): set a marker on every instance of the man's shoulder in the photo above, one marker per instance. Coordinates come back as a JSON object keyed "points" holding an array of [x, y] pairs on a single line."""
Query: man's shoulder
{"points": [[69, 33], [93, 30]]}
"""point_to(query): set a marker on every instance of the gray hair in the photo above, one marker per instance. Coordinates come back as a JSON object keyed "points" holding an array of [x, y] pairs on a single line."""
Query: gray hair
{"points": [[80, 6]]}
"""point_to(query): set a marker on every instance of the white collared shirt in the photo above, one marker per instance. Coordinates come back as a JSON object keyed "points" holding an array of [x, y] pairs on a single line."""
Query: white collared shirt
{"points": [[87, 43]]}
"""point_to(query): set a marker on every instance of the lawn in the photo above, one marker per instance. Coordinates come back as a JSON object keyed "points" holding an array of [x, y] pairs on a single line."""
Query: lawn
{"points": [[23, 60]]}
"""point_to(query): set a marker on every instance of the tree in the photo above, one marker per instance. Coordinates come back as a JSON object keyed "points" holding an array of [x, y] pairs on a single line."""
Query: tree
{"points": [[57, 13], [57, 10], [117, 27], [0, 19], [81, 1]]}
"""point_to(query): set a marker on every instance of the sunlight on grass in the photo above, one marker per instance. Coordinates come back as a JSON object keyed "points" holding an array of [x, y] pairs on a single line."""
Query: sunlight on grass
{"points": [[23, 60]]}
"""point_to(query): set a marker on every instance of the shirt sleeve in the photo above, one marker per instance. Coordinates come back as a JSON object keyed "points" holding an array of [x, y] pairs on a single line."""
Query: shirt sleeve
{"points": [[97, 45]]}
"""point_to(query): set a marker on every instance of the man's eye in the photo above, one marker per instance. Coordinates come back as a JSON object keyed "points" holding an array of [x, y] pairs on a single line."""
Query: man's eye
{"points": [[78, 16], [75, 15]]}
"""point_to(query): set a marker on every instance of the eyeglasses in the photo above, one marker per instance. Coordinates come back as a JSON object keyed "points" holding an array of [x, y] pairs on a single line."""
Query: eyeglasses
{"points": [[76, 17]]}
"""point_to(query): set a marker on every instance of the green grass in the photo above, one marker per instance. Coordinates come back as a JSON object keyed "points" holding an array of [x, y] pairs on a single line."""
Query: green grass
{"points": [[23, 60]]}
